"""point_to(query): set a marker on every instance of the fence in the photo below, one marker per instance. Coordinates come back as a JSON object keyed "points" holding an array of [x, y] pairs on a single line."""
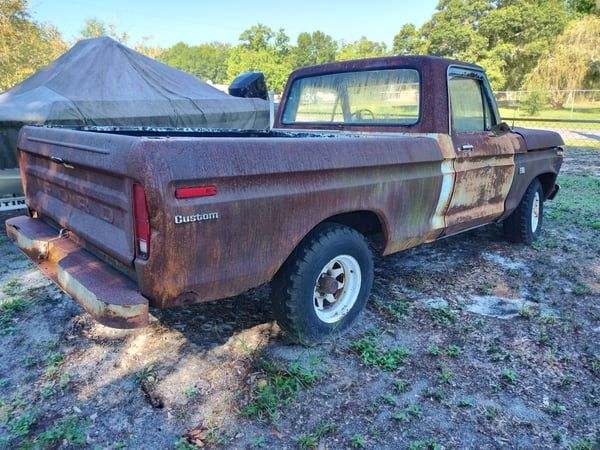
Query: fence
{"points": [[575, 114]]}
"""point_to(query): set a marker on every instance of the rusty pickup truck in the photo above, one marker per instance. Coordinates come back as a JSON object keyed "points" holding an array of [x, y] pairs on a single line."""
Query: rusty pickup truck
{"points": [[406, 150]]}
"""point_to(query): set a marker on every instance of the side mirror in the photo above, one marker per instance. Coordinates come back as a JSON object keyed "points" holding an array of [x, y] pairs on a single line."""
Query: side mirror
{"points": [[501, 128], [249, 85]]}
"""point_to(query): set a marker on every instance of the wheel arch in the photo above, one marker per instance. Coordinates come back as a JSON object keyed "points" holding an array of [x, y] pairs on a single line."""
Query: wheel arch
{"points": [[547, 180], [369, 223]]}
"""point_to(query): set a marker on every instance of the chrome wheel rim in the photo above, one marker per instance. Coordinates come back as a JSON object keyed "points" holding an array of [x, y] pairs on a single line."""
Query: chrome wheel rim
{"points": [[535, 212], [336, 288]]}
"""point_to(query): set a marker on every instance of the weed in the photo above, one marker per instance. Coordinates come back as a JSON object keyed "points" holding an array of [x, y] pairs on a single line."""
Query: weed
{"points": [[445, 376], [582, 444], [396, 309], [21, 426], [389, 399], [466, 402], [12, 287], [146, 375], [410, 411], [71, 429], [567, 381], [372, 356], [453, 351], [278, 389], [358, 441], [424, 445], [443, 316], [258, 442], [582, 289], [433, 394], [312, 440], [509, 376], [401, 386], [433, 350], [525, 312], [3, 383], [183, 444], [53, 363], [491, 412], [191, 392], [556, 409]]}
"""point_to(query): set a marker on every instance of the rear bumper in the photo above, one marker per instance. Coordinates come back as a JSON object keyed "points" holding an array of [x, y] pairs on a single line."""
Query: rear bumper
{"points": [[106, 294]]}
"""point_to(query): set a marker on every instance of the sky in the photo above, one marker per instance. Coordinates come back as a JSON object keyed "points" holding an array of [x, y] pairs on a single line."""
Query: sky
{"points": [[194, 22]]}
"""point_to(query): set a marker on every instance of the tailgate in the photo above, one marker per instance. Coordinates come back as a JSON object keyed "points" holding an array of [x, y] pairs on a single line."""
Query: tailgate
{"points": [[79, 180]]}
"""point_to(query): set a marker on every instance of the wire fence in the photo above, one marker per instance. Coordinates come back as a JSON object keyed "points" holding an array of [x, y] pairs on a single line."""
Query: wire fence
{"points": [[575, 114]]}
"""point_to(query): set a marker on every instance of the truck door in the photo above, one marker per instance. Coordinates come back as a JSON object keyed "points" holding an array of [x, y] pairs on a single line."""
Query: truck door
{"points": [[484, 163]]}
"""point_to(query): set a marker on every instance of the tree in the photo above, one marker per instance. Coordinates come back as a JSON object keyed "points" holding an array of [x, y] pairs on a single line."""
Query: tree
{"points": [[583, 6], [94, 28], [571, 63], [258, 37], [409, 41], [314, 48], [206, 61], [25, 46], [363, 48], [264, 50]]}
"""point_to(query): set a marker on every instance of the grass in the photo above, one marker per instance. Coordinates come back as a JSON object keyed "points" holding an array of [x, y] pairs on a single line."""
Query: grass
{"points": [[409, 412], [372, 355], [311, 440], [395, 309], [578, 202], [443, 316], [277, 389], [509, 376], [71, 430], [358, 441]]}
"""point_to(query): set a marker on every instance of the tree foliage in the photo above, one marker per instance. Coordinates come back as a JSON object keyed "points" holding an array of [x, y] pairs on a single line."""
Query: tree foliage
{"points": [[507, 37], [363, 48], [573, 62], [314, 48], [94, 28], [206, 61], [25, 46]]}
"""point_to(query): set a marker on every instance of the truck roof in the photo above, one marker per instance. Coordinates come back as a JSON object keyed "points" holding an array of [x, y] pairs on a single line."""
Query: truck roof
{"points": [[383, 62]]}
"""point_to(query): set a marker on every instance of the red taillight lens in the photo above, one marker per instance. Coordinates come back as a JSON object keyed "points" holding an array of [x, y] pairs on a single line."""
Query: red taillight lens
{"points": [[142, 223], [196, 191]]}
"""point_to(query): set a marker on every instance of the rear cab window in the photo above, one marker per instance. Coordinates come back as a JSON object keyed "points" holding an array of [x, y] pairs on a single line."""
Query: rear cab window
{"points": [[470, 104], [370, 97]]}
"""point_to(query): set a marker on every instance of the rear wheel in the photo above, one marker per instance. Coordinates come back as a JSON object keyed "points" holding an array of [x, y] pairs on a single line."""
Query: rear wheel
{"points": [[525, 223], [324, 285]]}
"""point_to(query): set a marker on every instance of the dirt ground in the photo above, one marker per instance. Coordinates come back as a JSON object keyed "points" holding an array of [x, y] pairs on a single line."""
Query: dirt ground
{"points": [[469, 342]]}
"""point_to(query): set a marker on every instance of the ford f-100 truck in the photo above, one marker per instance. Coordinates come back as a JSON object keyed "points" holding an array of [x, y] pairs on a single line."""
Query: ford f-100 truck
{"points": [[403, 149]]}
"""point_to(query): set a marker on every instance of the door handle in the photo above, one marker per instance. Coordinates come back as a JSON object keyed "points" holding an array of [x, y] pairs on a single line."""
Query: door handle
{"points": [[466, 148]]}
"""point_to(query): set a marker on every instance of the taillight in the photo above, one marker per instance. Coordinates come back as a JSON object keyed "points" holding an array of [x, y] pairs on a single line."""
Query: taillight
{"points": [[142, 223], [195, 191]]}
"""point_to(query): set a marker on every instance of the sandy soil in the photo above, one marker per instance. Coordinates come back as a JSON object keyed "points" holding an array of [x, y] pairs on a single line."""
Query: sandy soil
{"points": [[469, 342]]}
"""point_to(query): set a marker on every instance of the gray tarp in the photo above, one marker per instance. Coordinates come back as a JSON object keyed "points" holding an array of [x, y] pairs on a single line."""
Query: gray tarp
{"points": [[102, 82]]}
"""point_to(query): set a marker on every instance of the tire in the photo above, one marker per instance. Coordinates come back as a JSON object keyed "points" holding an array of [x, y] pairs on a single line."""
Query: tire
{"points": [[303, 298], [521, 226]]}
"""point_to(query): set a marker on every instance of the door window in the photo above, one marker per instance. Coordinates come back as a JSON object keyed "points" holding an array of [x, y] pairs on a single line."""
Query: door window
{"points": [[466, 102]]}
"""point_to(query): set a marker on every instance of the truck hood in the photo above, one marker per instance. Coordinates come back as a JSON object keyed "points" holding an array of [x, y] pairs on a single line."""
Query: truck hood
{"points": [[539, 139]]}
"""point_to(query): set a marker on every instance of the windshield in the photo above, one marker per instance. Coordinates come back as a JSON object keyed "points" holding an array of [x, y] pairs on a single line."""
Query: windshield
{"points": [[373, 97]]}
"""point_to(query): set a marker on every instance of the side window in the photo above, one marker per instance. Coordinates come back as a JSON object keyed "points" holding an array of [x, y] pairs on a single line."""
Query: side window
{"points": [[466, 102]]}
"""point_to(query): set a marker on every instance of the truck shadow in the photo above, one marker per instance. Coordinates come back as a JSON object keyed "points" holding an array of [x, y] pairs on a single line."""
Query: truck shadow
{"points": [[211, 324]]}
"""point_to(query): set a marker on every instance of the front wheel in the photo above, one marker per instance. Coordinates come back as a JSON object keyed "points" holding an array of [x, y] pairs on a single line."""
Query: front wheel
{"points": [[324, 285], [525, 223]]}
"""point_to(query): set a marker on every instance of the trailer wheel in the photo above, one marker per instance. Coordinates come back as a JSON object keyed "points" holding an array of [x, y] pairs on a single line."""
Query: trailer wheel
{"points": [[323, 287], [525, 223]]}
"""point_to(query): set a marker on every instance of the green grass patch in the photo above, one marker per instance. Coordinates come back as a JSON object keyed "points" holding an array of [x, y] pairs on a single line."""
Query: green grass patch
{"points": [[372, 355], [279, 387], [71, 429], [311, 440], [577, 203]]}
